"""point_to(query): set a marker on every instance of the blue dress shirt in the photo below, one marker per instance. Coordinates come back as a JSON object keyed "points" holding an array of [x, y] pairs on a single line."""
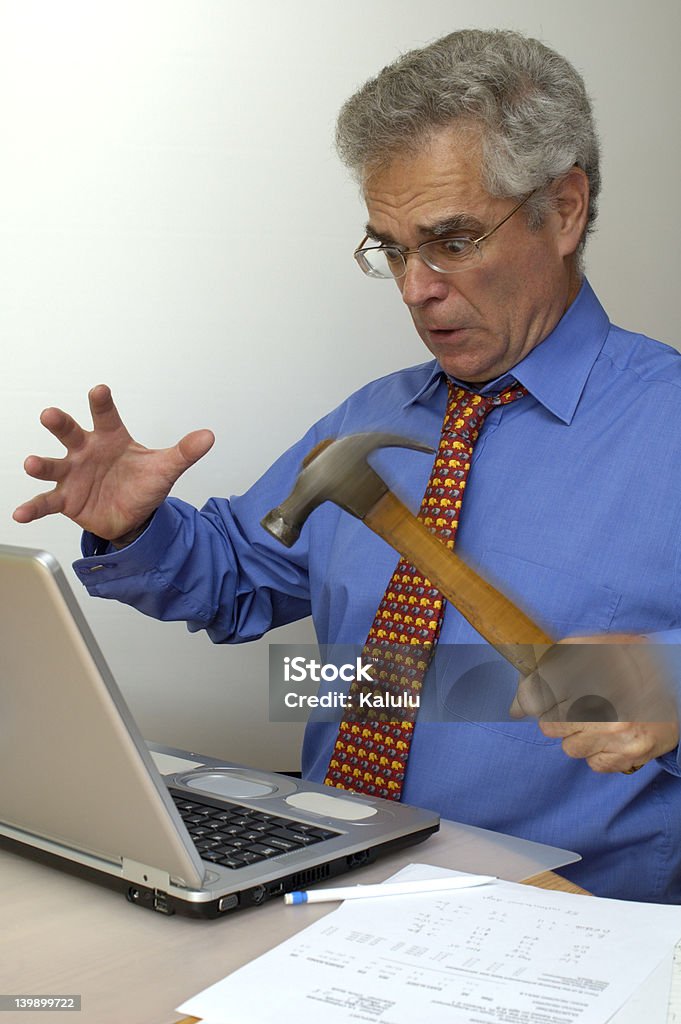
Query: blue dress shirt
{"points": [[571, 506]]}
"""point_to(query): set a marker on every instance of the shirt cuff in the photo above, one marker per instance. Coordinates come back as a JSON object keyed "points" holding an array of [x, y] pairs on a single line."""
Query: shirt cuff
{"points": [[103, 563]]}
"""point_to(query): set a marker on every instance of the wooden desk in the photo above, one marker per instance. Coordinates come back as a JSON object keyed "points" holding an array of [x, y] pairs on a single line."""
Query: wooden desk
{"points": [[61, 935]]}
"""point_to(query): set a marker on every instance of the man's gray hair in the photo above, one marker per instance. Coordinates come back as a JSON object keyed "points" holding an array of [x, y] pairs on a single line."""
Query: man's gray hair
{"points": [[529, 104]]}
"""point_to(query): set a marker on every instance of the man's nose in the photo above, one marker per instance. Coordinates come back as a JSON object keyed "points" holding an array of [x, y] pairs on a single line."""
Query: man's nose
{"points": [[421, 283]]}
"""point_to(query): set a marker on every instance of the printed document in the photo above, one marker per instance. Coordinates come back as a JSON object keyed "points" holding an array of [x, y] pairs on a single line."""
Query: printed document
{"points": [[501, 952]]}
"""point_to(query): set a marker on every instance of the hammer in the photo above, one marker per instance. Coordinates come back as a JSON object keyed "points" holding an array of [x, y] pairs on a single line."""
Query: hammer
{"points": [[337, 470]]}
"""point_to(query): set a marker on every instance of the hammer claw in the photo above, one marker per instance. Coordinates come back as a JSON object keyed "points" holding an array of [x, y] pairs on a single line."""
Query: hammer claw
{"points": [[335, 470]]}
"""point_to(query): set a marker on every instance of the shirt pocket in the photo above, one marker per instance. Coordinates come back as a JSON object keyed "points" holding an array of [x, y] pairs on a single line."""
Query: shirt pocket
{"points": [[561, 601]]}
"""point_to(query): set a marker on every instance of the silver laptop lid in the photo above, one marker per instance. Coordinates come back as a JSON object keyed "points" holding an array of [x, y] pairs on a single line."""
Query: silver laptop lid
{"points": [[73, 765]]}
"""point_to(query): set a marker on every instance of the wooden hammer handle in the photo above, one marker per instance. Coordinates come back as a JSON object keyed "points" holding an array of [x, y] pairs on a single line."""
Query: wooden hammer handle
{"points": [[489, 611]]}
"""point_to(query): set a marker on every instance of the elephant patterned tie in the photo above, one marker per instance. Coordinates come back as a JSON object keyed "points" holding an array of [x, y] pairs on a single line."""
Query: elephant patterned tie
{"points": [[370, 756]]}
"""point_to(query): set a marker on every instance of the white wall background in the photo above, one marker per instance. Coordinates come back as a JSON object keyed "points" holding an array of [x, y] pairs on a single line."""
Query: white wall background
{"points": [[151, 152]]}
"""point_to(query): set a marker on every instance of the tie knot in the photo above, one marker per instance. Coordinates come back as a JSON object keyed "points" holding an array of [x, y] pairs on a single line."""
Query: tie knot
{"points": [[466, 410]]}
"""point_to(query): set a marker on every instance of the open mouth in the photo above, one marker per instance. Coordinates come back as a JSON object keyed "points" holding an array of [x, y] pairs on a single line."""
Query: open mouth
{"points": [[446, 334]]}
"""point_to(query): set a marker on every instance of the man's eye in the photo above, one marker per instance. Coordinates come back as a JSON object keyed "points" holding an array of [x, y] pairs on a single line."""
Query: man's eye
{"points": [[455, 246], [392, 254]]}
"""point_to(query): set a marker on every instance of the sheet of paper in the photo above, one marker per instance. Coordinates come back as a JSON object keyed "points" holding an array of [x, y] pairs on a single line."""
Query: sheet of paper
{"points": [[650, 1003], [496, 953]]}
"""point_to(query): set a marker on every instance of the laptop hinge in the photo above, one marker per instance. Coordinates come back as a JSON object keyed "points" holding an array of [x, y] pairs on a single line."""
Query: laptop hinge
{"points": [[153, 878]]}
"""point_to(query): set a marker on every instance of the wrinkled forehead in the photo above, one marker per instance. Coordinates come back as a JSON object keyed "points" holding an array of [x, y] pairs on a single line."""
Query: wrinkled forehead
{"points": [[414, 191]]}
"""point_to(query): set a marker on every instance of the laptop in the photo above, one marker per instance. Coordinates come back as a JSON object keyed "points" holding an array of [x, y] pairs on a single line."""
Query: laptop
{"points": [[173, 831]]}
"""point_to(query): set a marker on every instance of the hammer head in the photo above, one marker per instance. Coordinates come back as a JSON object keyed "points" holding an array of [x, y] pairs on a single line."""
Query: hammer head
{"points": [[335, 470]]}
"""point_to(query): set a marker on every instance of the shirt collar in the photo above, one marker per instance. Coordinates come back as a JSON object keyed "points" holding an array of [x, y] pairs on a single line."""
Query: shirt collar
{"points": [[555, 372]]}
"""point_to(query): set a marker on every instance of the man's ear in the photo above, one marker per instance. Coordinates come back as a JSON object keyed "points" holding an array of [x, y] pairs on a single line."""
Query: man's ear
{"points": [[571, 207]]}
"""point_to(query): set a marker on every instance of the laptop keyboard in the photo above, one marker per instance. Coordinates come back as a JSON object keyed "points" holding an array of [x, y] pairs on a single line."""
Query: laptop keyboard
{"points": [[235, 836]]}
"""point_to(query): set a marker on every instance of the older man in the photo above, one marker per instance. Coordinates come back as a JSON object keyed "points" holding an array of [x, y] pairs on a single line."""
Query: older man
{"points": [[557, 468]]}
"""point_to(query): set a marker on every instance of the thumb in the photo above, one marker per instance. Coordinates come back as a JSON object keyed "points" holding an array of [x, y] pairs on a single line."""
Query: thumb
{"points": [[193, 447], [533, 697]]}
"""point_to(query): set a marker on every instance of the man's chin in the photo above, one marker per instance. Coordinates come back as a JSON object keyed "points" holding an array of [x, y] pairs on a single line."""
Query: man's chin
{"points": [[474, 371], [460, 356]]}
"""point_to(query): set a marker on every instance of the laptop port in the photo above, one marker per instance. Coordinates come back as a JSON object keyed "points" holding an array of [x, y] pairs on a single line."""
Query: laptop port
{"points": [[356, 860], [141, 896], [161, 902], [258, 894], [228, 902]]}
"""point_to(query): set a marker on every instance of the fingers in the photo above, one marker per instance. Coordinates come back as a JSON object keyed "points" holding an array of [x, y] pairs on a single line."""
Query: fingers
{"points": [[105, 415], [49, 502], [605, 750], [614, 746], [64, 428], [586, 739], [42, 505], [194, 446], [45, 469]]}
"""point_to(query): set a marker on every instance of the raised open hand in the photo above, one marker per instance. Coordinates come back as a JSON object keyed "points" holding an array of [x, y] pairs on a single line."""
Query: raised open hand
{"points": [[107, 483]]}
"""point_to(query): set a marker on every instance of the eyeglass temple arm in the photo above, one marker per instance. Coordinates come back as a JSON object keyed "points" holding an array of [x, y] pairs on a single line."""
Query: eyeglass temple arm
{"points": [[476, 241]]}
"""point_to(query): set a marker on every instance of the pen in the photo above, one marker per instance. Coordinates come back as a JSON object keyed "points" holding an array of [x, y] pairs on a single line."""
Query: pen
{"points": [[358, 892]]}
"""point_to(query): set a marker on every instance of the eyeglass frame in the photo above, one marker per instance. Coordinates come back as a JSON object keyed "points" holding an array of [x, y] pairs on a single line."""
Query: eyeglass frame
{"points": [[408, 252]]}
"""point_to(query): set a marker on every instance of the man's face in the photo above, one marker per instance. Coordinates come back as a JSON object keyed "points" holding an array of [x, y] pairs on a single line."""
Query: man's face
{"points": [[481, 321]]}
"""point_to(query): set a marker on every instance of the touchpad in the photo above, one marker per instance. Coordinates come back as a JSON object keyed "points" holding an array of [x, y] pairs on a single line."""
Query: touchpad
{"points": [[228, 784], [331, 806]]}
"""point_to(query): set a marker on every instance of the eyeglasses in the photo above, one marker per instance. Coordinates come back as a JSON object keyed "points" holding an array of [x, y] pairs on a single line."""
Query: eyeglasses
{"points": [[446, 255]]}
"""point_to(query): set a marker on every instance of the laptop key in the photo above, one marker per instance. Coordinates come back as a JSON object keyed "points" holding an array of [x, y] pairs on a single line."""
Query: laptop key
{"points": [[251, 836], [185, 805], [295, 837], [230, 862], [284, 845], [222, 815], [247, 856], [230, 830], [259, 826], [319, 833], [212, 855], [263, 850]]}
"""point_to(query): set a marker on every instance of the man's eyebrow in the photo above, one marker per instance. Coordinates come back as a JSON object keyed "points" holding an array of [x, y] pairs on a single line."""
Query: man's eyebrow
{"points": [[441, 229], [453, 225], [378, 236]]}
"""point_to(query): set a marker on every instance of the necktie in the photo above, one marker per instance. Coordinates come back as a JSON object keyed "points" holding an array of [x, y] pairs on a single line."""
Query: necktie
{"points": [[371, 756]]}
